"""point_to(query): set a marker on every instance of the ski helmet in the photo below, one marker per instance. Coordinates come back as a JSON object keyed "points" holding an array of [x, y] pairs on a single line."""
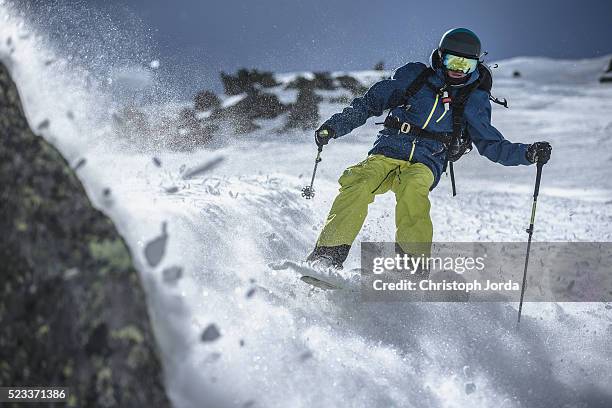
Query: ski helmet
{"points": [[461, 42]]}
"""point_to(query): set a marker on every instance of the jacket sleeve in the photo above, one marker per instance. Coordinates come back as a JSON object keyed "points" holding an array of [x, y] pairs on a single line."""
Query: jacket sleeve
{"points": [[382, 95], [488, 140]]}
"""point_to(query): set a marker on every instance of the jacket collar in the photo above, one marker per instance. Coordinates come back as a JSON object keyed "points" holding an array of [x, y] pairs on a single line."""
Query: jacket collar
{"points": [[439, 78]]}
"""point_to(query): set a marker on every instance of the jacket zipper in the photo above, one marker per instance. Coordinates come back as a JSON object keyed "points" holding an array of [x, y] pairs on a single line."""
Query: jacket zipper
{"points": [[414, 141]]}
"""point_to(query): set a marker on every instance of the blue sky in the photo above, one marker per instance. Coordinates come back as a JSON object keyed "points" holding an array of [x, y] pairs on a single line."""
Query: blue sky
{"points": [[194, 40]]}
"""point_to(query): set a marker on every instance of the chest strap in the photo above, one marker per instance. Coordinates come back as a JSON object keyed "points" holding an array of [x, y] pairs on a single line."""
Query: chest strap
{"points": [[392, 122]]}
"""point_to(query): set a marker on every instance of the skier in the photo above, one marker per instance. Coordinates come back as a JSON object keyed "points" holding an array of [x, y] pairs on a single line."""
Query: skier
{"points": [[436, 113]]}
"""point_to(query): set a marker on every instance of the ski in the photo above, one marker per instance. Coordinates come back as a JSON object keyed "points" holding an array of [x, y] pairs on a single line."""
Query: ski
{"points": [[318, 283], [322, 278]]}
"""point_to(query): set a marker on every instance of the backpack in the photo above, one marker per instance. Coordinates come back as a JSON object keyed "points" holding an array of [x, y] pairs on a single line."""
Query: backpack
{"points": [[461, 142]]}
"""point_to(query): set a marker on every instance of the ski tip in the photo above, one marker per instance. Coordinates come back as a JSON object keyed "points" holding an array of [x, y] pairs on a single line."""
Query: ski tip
{"points": [[318, 283]]}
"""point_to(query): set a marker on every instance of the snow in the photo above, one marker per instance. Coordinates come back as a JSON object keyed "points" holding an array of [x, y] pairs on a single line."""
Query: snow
{"points": [[553, 71], [286, 78], [232, 100], [270, 341], [203, 114]]}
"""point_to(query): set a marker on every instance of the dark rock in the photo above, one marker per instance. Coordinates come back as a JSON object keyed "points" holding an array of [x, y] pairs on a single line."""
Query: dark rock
{"points": [[380, 66], [80, 163], [107, 199], [206, 100], [157, 162], [172, 274], [301, 83], [324, 81], [203, 168], [516, 74], [98, 341], [191, 132], [343, 99], [470, 388], [188, 115], [352, 84], [250, 292], [306, 355], [244, 125], [211, 333], [91, 331], [304, 113], [256, 105], [44, 125], [156, 248], [320, 80], [245, 80]]}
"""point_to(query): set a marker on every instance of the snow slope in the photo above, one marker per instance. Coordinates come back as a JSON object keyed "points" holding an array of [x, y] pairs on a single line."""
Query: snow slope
{"points": [[283, 345]]}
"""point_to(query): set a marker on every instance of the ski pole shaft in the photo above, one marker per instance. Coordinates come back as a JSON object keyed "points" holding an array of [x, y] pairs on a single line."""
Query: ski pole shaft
{"points": [[317, 160], [308, 191], [452, 176], [536, 192]]}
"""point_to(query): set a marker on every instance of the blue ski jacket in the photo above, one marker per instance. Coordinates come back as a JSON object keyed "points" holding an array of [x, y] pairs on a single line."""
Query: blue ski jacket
{"points": [[426, 110]]}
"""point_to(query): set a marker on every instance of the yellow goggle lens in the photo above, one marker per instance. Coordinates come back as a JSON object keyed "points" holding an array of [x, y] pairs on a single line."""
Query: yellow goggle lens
{"points": [[457, 63]]}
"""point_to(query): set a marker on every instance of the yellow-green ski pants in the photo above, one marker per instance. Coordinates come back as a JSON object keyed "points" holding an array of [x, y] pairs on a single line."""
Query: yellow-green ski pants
{"points": [[376, 175]]}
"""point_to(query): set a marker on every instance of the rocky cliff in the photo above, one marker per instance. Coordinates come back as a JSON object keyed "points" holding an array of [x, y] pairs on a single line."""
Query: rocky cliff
{"points": [[72, 309]]}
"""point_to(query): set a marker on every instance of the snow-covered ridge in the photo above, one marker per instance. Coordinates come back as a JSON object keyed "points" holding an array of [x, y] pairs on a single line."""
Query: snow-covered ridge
{"points": [[538, 69], [555, 71], [282, 345]]}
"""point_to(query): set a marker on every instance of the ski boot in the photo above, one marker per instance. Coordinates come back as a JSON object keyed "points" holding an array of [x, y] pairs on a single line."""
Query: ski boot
{"points": [[328, 257]]}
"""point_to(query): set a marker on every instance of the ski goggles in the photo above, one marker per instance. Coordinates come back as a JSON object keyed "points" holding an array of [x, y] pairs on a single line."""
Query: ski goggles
{"points": [[461, 64]]}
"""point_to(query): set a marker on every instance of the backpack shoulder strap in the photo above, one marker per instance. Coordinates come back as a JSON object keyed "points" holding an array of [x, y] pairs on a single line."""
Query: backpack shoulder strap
{"points": [[460, 99], [414, 87], [458, 104], [418, 82]]}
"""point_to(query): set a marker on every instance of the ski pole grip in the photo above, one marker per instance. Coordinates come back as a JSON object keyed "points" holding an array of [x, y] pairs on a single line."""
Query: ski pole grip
{"points": [[536, 191]]}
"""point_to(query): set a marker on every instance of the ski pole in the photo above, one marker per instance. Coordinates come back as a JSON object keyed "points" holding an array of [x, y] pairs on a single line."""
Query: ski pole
{"points": [[536, 191], [452, 176], [308, 191]]}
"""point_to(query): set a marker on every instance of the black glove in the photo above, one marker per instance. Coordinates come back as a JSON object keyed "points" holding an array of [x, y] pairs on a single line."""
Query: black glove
{"points": [[323, 134], [458, 148], [539, 152]]}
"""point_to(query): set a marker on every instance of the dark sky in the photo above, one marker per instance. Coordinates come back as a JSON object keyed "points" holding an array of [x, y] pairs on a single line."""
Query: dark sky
{"points": [[194, 39]]}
